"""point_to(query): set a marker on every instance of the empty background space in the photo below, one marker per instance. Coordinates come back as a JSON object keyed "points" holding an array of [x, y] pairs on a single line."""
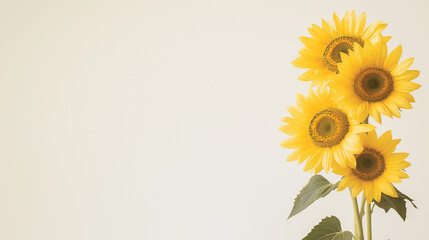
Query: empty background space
{"points": [[158, 120]]}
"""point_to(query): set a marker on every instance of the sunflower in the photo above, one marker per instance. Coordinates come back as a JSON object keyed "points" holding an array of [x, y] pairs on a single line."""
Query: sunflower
{"points": [[370, 82], [321, 53], [322, 132], [377, 167]]}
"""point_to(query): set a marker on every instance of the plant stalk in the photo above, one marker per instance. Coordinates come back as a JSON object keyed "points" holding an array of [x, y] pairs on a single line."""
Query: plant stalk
{"points": [[368, 207], [368, 221], [358, 220], [362, 206]]}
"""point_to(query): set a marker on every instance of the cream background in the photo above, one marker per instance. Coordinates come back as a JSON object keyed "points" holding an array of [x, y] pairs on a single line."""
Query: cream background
{"points": [[158, 120]]}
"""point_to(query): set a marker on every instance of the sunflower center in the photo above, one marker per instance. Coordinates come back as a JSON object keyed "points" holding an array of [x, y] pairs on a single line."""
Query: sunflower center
{"points": [[328, 127], [369, 165], [332, 54], [373, 84]]}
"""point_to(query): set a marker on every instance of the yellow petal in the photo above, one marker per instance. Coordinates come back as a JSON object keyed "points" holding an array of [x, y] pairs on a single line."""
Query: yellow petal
{"points": [[326, 160], [408, 75], [361, 23], [302, 62], [388, 145], [393, 108], [369, 192], [362, 111], [342, 185], [401, 102], [373, 29], [356, 190], [328, 29], [294, 156], [398, 157], [352, 144], [338, 24], [402, 67], [374, 114], [309, 42], [392, 178], [292, 143], [387, 188], [393, 59], [407, 87], [307, 76], [363, 128], [294, 111]]}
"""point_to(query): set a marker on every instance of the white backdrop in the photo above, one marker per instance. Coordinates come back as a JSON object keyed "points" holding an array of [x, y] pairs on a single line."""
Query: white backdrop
{"points": [[158, 120]]}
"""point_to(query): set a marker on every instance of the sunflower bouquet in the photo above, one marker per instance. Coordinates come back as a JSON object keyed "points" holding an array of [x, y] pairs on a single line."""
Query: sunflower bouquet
{"points": [[353, 78]]}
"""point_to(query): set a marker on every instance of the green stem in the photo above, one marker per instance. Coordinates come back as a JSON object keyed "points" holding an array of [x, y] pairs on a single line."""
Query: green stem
{"points": [[368, 221], [358, 220], [355, 236], [362, 205], [368, 207]]}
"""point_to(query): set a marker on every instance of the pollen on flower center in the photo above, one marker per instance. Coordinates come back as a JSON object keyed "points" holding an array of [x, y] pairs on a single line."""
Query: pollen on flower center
{"points": [[339, 45], [369, 164], [328, 127], [373, 84]]}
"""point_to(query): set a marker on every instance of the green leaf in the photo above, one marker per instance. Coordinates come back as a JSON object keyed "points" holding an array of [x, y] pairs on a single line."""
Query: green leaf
{"points": [[316, 188], [329, 229], [398, 204]]}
